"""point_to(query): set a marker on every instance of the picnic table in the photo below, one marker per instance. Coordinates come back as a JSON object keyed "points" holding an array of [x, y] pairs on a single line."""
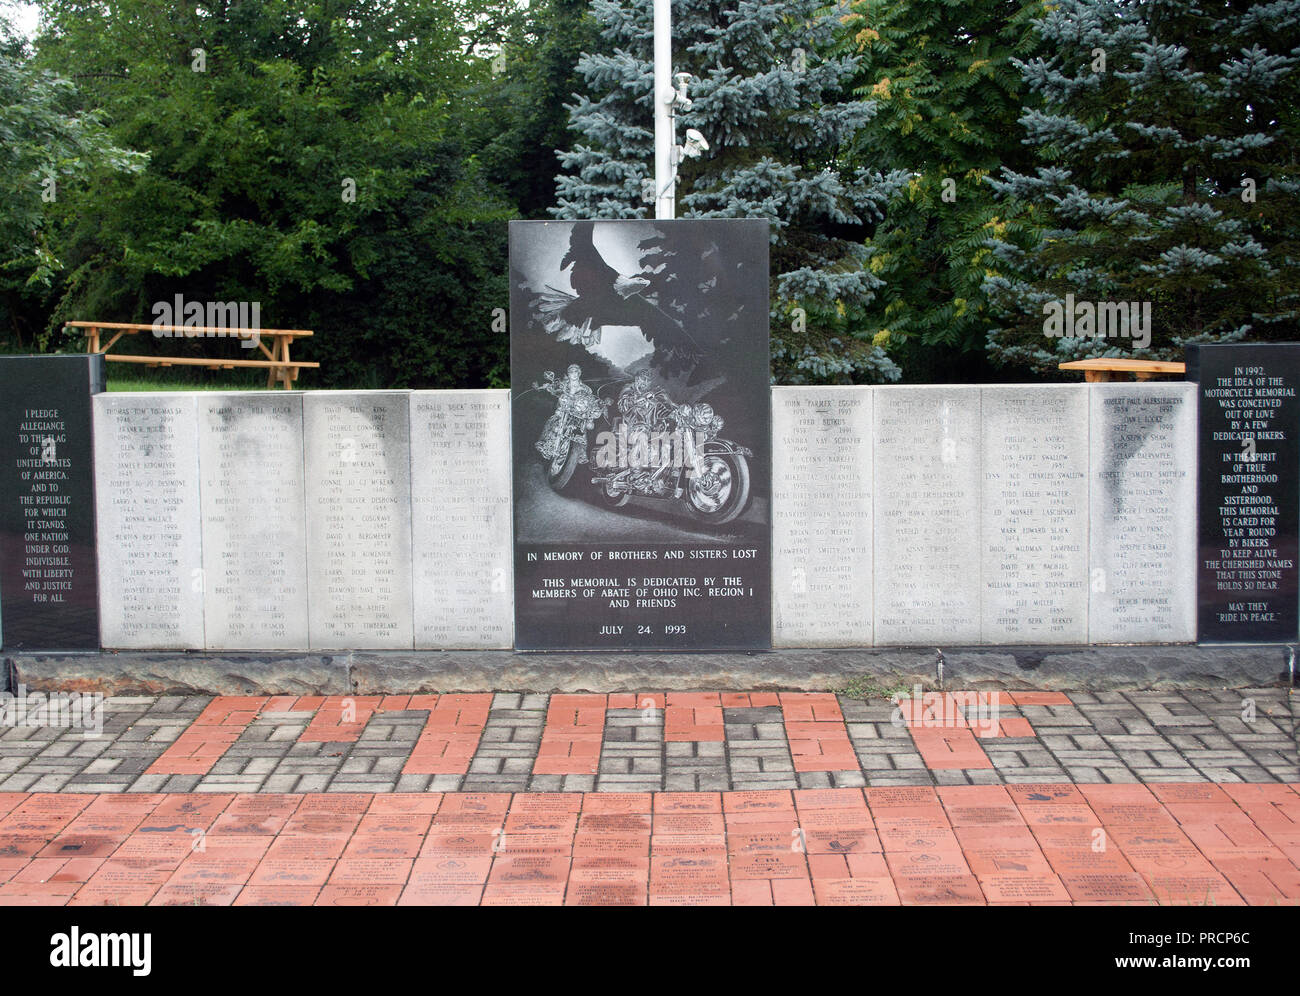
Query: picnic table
{"points": [[276, 359], [1110, 368]]}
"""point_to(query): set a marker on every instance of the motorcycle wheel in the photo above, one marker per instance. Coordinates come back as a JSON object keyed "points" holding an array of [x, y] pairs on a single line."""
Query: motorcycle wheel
{"points": [[719, 490], [560, 470], [614, 499]]}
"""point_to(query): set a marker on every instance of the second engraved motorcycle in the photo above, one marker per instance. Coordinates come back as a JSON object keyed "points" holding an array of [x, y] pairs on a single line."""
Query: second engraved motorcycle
{"points": [[653, 448]]}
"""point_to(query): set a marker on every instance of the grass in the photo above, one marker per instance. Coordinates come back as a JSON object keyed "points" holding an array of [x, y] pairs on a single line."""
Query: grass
{"points": [[182, 380], [129, 377], [868, 687]]}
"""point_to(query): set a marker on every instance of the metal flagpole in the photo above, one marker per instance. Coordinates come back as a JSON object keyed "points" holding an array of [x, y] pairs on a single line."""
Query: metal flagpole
{"points": [[665, 122]]}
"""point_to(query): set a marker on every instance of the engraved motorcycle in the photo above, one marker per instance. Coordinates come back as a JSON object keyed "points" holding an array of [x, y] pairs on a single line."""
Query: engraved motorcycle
{"points": [[652, 449], [564, 439], [672, 452]]}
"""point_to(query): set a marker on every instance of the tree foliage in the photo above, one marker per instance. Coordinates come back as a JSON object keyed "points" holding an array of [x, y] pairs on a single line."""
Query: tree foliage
{"points": [[49, 147], [935, 171], [1166, 173], [769, 93], [526, 104], [318, 159], [948, 97]]}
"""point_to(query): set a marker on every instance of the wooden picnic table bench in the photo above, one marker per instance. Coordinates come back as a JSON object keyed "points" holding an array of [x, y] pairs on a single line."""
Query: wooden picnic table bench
{"points": [[277, 362], [1110, 368]]}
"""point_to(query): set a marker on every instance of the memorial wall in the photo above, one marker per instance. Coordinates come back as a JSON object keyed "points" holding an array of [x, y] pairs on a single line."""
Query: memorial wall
{"points": [[1060, 514], [286, 521], [921, 516]]}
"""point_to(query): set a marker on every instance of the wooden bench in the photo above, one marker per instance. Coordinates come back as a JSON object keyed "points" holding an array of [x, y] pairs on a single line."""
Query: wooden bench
{"points": [[277, 362], [1110, 368]]}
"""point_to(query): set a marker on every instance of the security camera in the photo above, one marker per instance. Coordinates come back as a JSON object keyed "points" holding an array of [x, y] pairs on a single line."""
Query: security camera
{"points": [[680, 100], [696, 144]]}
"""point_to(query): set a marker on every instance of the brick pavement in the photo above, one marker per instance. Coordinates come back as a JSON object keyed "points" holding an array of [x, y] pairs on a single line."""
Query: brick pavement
{"points": [[1169, 843], [652, 742], [719, 798]]}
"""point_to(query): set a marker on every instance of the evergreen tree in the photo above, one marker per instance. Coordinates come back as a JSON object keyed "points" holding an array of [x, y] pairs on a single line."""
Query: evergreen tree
{"points": [[948, 99], [770, 96], [1167, 174]]}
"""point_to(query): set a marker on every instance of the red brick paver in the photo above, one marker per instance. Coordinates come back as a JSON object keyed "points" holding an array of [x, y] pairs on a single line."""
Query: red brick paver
{"points": [[340, 719], [451, 734], [814, 726], [206, 741], [1041, 844], [575, 728], [694, 716], [949, 749]]}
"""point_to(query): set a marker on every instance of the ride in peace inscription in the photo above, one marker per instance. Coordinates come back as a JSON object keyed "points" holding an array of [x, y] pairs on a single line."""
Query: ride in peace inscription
{"points": [[1249, 480]]}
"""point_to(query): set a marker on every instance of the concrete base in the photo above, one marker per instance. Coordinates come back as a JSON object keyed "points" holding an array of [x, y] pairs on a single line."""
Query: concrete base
{"points": [[881, 669]]}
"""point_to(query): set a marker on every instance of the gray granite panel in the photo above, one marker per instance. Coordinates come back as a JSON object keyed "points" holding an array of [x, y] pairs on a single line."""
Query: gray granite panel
{"points": [[1035, 514], [358, 464], [151, 583], [927, 515], [821, 517], [254, 533], [460, 519], [1142, 557]]}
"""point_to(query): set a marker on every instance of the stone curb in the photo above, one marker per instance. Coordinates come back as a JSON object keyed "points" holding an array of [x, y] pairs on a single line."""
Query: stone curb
{"points": [[138, 673], [404, 672]]}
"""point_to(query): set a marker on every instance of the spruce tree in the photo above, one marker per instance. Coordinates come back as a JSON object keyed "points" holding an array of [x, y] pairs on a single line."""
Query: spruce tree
{"points": [[771, 97], [1167, 173]]}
